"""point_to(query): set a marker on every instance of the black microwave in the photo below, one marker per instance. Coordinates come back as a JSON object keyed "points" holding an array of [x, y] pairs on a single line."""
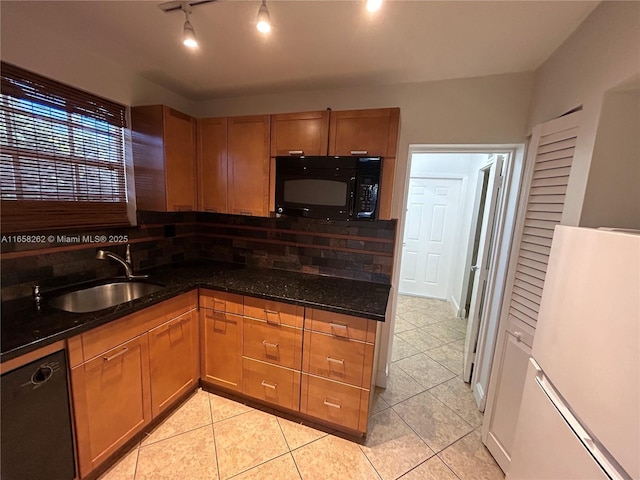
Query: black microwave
{"points": [[341, 188]]}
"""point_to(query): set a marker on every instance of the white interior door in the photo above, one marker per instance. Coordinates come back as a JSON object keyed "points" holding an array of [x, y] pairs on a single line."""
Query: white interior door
{"points": [[430, 236], [481, 268]]}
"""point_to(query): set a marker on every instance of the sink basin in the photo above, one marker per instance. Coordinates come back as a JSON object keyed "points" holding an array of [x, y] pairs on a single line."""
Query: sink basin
{"points": [[108, 295]]}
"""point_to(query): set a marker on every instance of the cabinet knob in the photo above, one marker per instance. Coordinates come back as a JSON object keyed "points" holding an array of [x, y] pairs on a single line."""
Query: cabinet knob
{"points": [[518, 336]]}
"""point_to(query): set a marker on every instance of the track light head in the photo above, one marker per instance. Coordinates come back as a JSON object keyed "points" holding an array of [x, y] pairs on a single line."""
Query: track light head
{"points": [[263, 23], [188, 33]]}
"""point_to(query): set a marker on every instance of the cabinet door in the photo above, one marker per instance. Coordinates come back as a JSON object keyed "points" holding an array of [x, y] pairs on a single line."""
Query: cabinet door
{"points": [[180, 160], [111, 401], [222, 339], [304, 133], [248, 156], [212, 165], [371, 132], [174, 360]]}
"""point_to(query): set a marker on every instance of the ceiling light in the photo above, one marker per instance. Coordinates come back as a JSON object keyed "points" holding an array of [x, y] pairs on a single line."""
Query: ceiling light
{"points": [[188, 33], [264, 19], [374, 5]]}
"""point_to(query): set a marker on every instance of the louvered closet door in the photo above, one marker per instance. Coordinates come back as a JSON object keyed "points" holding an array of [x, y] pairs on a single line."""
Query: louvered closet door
{"points": [[549, 175], [544, 186]]}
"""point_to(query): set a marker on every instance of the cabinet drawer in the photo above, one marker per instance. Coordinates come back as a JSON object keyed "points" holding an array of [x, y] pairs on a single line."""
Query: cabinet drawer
{"points": [[270, 383], [222, 346], [100, 339], [221, 301], [277, 344], [338, 358], [345, 326], [276, 313], [335, 402]]}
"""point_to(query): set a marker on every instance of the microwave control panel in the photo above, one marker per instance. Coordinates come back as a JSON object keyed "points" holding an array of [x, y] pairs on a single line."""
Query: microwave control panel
{"points": [[366, 197]]}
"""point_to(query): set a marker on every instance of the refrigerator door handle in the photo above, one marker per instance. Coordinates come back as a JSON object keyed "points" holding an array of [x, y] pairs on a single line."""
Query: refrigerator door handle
{"points": [[600, 454]]}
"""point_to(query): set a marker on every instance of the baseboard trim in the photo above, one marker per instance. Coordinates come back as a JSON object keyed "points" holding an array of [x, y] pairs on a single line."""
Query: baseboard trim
{"points": [[480, 397]]}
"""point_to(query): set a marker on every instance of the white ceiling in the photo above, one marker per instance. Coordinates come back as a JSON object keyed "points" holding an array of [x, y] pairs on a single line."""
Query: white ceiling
{"points": [[313, 44]]}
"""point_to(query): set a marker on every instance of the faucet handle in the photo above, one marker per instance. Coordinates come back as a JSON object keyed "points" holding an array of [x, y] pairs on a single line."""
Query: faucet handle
{"points": [[127, 256]]}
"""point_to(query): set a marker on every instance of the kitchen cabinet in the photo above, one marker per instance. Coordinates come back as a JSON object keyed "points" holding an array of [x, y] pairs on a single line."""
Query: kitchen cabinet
{"points": [[372, 132], [164, 158], [112, 400], [249, 164], [115, 375], [221, 321], [304, 133], [174, 359], [337, 368], [272, 352], [212, 165]]}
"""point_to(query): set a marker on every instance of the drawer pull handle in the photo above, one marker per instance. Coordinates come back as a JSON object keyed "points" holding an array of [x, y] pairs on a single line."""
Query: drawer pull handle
{"points": [[341, 330], [331, 404], [270, 314], [269, 385], [245, 212], [267, 344], [296, 152], [335, 360], [116, 355], [359, 152], [220, 302]]}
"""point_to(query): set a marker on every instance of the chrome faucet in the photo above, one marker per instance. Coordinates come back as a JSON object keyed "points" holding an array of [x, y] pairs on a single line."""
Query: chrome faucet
{"points": [[128, 267]]}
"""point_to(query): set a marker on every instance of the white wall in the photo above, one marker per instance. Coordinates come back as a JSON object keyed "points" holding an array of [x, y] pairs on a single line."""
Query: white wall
{"points": [[612, 197], [603, 52], [457, 165]]}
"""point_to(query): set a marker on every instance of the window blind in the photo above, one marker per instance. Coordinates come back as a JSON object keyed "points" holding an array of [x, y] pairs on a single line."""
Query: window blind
{"points": [[62, 155]]}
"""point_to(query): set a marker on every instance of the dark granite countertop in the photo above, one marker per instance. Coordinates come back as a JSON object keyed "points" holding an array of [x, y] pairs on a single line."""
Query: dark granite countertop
{"points": [[25, 328]]}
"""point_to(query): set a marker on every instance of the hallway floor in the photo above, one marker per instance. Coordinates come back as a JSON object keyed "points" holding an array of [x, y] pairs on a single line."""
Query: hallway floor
{"points": [[423, 426]]}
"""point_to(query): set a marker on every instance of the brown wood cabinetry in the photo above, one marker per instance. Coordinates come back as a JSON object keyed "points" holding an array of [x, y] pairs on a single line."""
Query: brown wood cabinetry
{"points": [[303, 133], [212, 165], [221, 321], [272, 352], [372, 132], [118, 368], [174, 359], [112, 401], [337, 368], [164, 158], [248, 163]]}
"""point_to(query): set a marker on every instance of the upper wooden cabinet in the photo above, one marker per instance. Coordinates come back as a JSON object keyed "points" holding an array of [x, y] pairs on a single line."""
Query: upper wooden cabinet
{"points": [[164, 158], [371, 132], [212, 165], [248, 163], [300, 133]]}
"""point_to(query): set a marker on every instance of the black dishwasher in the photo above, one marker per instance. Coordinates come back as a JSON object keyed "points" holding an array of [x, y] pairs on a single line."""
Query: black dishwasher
{"points": [[36, 441]]}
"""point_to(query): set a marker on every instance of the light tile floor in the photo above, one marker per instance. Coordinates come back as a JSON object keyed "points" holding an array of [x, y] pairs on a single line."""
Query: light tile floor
{"points": [[424, 425]]}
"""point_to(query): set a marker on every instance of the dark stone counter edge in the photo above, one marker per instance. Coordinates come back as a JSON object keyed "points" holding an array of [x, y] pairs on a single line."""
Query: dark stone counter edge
{"points": [[109, 315]]}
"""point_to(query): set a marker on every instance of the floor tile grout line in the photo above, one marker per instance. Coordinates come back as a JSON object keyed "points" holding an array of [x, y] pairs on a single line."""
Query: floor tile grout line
{"points": [[283, 435], [173, 436], [422, 386], [213, 432], [135, 468], [257, 465], [370, 462]]}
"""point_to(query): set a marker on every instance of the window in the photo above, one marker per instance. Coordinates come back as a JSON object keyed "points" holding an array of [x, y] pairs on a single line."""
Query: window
{"points": [[62, 155]]}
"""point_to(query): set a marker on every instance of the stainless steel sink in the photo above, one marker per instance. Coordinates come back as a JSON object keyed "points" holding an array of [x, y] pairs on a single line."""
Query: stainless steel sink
{"points": [[96, 298]]}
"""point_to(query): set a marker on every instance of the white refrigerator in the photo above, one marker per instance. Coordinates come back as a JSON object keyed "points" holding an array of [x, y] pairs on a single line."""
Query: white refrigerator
{"points": [[580, 412]]}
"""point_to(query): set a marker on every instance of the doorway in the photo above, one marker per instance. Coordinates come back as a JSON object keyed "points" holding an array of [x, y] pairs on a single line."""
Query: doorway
{"points": [[488, 177]]}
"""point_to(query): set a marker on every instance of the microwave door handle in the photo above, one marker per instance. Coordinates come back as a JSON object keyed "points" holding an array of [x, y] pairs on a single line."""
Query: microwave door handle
{"points": [[352, 194]]}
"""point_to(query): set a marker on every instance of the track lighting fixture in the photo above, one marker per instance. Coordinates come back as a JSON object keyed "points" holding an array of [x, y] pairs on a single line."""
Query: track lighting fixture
{"points": [[374, 5], [263, 23], [188, 33]]}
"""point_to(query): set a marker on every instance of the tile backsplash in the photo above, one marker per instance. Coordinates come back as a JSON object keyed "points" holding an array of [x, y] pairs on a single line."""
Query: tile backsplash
{"points": [[360, 250]]}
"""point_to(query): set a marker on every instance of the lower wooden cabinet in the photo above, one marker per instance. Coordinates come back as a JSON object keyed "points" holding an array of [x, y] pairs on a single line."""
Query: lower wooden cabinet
{"points": [[270, 383], [112, 401], [174, 359], [335, 402], [221, 339], [126, 372]]}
